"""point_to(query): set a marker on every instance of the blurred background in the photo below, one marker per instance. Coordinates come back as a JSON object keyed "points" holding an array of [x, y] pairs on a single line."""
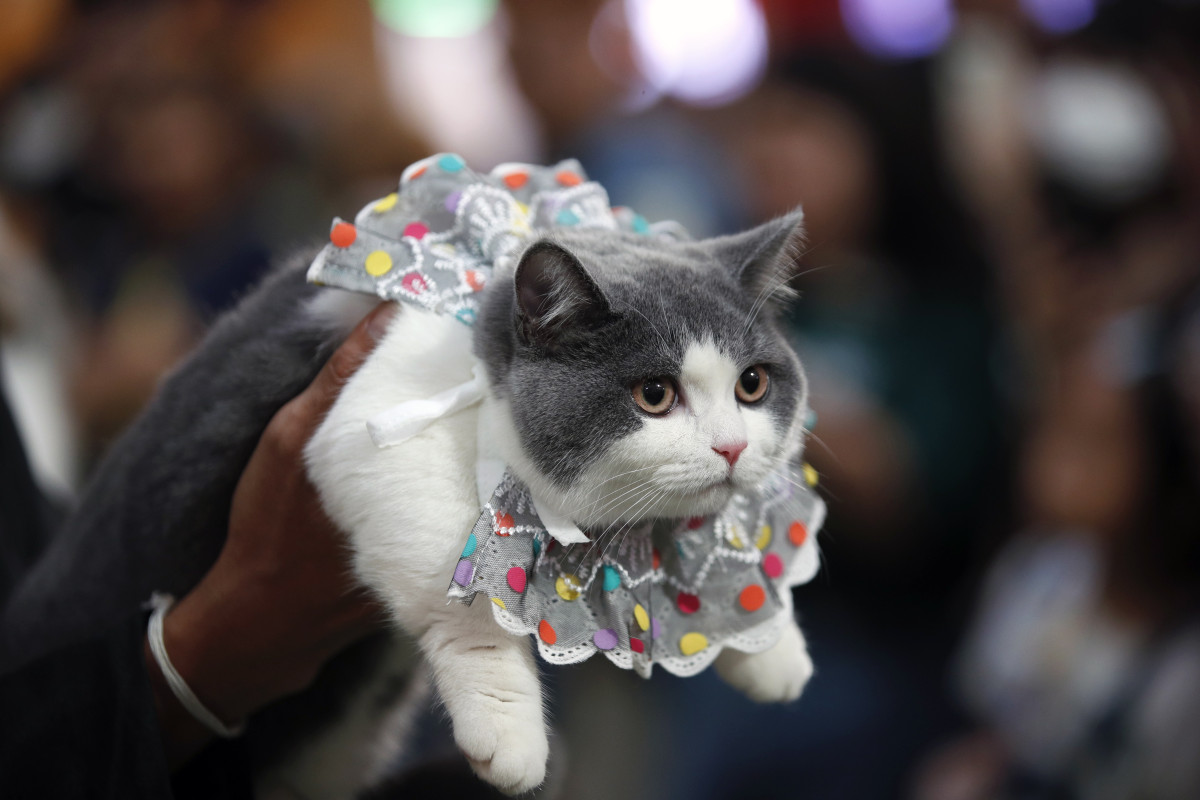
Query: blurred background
{"points": [[1000, 316]]}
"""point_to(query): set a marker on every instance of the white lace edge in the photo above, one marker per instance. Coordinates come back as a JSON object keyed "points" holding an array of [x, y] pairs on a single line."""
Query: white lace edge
{"points": [[757, 639]]}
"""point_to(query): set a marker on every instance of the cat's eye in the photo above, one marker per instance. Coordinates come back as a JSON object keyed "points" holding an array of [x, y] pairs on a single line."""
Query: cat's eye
{"points": [[655, 395], [752, 384]]}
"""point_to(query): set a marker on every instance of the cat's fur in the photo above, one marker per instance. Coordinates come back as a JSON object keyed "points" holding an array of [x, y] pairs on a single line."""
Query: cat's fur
{"points": [[585, 317]]}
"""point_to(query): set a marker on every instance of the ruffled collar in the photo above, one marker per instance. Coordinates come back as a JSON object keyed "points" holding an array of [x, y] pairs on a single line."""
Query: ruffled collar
{"points": [[673, 592]]}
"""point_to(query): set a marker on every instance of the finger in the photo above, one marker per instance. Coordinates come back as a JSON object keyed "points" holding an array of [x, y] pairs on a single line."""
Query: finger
{"points": [[314, 401]]}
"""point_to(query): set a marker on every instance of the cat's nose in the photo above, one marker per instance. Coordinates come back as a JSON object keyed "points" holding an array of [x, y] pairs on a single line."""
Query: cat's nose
{"points": [[730, 451]]}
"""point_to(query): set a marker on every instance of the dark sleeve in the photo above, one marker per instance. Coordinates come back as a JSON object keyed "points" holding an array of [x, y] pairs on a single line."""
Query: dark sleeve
{"points": [[81, 722]]}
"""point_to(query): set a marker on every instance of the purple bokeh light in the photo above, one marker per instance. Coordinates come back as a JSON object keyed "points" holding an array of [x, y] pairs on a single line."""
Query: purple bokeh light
{"points": [[1060, 16], [904, 29]]}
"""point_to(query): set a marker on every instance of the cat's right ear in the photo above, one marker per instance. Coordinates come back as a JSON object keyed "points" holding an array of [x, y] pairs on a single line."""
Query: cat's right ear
{"points": [[556, 298], [765, 260]]}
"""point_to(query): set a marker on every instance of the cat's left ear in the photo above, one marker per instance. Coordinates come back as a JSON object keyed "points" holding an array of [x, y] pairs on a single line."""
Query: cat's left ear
{"points": [[556, 297], [766, 259]]}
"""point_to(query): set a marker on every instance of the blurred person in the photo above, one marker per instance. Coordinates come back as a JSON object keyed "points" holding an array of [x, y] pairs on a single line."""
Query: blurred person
{"points": [[1084, 658], [1080, 665], [36, 350], [163, 151]]}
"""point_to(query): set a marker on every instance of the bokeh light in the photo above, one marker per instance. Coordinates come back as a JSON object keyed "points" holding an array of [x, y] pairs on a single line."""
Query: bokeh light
{"points": [[1060, 16], [704, 53], [1100, 127], [892, 29]]}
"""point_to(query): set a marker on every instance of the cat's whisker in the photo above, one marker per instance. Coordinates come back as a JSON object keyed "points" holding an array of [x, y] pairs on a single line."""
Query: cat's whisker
{"points": [[653, 327], [648, 490], [824, 446], [622, 488], [628, 472], [612, 504], [769, 290], [609, 500], [643, 505]]}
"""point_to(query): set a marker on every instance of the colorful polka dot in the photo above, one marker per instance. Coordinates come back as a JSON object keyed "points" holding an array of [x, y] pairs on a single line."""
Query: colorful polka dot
{"points": [[687, 603], [500, 603], [810, 419], [568, 587], [378, 263], [655, 628], [450, 163], [416, 230], [797, 533], [764, 537], [640, 225], [547, 633], [452, 201], [810, 475], [636, 645], [415, 282], [418, 172], [537, 547], [692, 643], [463, 572], [612, 578], [343, 234], [735, 539], [567, 217], [605, 638], [752, 597], [568, 178], [466, 316], [694, 523], [655, 558], [772, 565], [469, 547], [504, 523], [516, 579], [474, 279], [641, 617], [385, 204], [515, 180]]}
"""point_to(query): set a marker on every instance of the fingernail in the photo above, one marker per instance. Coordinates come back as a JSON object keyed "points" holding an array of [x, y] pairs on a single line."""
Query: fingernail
{"points": [[381, 317]]}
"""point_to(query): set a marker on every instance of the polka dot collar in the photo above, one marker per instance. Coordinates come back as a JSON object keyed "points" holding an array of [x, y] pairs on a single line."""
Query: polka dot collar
{"points": [[437, 239], [669, 592]]}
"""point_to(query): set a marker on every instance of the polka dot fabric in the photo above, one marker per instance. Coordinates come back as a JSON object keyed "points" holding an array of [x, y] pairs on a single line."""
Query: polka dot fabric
{"points": [[667, 592], [438, 238]]}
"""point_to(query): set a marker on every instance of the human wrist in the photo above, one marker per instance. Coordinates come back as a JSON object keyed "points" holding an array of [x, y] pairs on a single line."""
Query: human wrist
{"points": [[230, 653], [182, 734]]}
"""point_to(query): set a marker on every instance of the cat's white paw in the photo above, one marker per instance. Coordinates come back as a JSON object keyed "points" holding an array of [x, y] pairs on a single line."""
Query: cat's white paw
{"points": [[503, 738], [776, 675]]}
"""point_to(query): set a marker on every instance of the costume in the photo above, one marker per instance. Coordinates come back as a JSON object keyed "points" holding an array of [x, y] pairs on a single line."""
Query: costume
{"points": [[666, 591]]}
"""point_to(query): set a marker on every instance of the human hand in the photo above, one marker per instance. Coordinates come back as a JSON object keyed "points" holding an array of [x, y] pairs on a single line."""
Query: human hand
{"points": [[281, 599]]}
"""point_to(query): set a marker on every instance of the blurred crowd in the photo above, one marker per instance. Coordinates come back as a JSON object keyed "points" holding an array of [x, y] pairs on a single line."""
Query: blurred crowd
{"points": [[1000, 318]]}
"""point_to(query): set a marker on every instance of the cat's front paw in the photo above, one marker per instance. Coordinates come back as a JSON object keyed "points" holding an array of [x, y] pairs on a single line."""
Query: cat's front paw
{"points": [[776, 675], [503, 738]]}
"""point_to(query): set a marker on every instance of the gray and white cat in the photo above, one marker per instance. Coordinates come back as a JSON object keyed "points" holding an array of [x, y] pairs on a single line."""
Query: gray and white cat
{"points": [[628, 376]]}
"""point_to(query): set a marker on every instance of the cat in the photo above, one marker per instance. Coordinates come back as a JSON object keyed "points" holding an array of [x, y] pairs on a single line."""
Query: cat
{"points": [[628, 377]]}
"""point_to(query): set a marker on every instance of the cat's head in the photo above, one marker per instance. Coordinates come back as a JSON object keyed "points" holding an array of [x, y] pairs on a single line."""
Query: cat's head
{"points": [[641, 376]]}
